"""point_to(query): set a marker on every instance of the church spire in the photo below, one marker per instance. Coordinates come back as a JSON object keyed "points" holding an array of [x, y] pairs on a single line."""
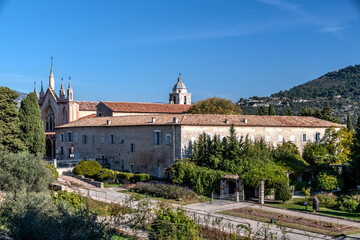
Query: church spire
{"points": [[51, 77], [41, 91], [70, 93], [62, 90], [35, 89]]}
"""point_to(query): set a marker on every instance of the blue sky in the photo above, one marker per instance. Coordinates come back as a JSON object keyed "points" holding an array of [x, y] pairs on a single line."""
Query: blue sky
{"points": [[133, 50]]}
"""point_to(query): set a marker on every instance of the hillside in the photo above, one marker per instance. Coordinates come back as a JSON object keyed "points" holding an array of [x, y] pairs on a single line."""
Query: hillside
{"points": [[21, 97], [340, 89]]}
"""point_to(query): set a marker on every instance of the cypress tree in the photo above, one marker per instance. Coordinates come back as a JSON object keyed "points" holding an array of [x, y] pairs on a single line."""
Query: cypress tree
{"points": [[272, 110], [349, 125], [355, 151], [289, 112], [9, 122], [262, 111], [32, 128]]}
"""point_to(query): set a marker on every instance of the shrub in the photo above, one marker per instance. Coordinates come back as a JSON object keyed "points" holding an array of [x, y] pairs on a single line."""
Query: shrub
{"points": [[348, 204], [125, 176], [107, 174], [282, 191], [327, 200], [37, 216], [201, 179], [170, 223], [23, 171], [73, 199], [87, 168], [141, 177], [53, 170], [328, 182], [300, 184], [165, 191]]}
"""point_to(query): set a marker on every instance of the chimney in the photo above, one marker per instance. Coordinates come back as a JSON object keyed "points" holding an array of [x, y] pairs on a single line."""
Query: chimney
{"points": [[227, 121], [153, 119], [245, 120], [108, 122], [175, 120]]}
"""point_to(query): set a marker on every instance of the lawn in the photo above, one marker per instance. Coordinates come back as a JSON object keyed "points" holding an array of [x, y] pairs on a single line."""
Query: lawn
{"points": [[293, 204], [172, 201], [110, 185]]}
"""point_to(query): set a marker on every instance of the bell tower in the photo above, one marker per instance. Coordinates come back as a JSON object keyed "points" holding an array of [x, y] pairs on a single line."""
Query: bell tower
{"points": [[180, 94]]}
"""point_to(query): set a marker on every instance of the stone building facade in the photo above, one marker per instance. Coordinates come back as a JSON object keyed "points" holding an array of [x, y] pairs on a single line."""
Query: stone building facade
{"points": [[151, 143], [57, 110]]}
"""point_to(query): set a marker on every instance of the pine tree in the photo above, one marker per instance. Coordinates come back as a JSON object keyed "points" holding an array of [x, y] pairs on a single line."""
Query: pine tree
{"points": [[272, 110], [31, 125], [349, 125], [9, 122], [262, 111], [289, 112]]}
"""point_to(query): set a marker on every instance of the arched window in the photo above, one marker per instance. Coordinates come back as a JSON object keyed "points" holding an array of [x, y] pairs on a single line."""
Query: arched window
{"points": [[50, 120], [185, 100], [174, 99]]}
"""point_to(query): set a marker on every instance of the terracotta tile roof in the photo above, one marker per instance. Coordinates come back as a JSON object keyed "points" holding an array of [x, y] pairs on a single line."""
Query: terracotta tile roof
{"points": [[147, 107], [203, 120], [88, 116], [86, 106]]}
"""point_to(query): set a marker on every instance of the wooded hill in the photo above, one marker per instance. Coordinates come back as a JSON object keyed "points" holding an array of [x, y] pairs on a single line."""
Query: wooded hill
{"points": [[340, 89]]}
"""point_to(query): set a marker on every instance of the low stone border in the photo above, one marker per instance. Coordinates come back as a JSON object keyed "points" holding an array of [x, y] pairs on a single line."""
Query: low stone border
{"points": [[87, 180]]}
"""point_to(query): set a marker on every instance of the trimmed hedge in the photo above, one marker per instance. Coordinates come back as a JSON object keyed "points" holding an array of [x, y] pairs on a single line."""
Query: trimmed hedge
{"points": [[87, 168], [167, 191], [202, 180]]}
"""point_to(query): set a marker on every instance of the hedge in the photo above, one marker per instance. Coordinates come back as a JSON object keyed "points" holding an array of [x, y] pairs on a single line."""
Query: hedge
{"points": [[168, 191], [202, 180], [87, 168]]}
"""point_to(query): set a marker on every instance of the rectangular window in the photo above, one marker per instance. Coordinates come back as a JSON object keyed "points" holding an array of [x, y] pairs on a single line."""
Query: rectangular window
{"points": [[93, 138], [132, 168], [61, 137], [84, 139], [122, 165], [61, 150], [168, 139], [76, 137], [102, 139], [132, 147], [69, 137], [317, 137], [121, 139], [69, 151], [304, 138], [111, 139], [157, 137]]}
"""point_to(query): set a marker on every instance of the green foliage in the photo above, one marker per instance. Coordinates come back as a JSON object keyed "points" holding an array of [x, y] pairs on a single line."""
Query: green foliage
{"points": [[72, 199], [349, 124], [215, 105], [37, 216], [314, 153], [300, 184], [9, 122], [201, 179], [31, 125], [288, 157], [87, 168], [23, 171], [328, 182], [355, 152], [271, 110], [307, 193], [165, 191], [53, 170], [140, 177], [262, 111], [327, 200], [282, 191], [338, 144], [170, 223], [348, 204]]}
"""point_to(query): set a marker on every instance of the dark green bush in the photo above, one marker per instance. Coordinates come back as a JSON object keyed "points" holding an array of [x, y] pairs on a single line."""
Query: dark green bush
{"points": [[326, 181], [347, 204], [107, 175], [71, 198], [165, 191], [140, 177], [53, 170], [300, 184], [202, 180], [327, 200], [87, 168], [173, 224], [282, 191], [24, 171], [125, 176]]}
